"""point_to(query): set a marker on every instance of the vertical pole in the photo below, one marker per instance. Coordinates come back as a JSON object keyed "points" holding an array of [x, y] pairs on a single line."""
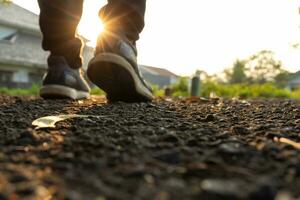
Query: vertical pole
{"points": [[195, 86], [168, 92]]}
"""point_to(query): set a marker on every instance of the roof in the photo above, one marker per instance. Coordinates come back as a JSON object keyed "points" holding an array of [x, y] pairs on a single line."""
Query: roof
{"points": [[16, 16], [295, 79], [158, 71], [27, 52]]}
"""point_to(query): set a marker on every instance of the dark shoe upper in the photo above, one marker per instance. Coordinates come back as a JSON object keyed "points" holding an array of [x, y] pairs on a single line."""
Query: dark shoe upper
{"points": [[60, 73], [117, 43]]}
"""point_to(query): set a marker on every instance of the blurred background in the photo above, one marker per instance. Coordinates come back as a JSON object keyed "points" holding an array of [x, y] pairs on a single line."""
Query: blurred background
{"points": [[208, 48]]}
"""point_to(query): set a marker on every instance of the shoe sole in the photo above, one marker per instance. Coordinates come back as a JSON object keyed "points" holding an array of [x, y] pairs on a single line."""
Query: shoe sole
{"points": [[117, 78], [62, 92]]}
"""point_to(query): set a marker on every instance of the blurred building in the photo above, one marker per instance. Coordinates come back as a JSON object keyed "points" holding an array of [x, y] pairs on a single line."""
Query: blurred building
{"points": [[22, 60], [294, 82], [158, 76]]}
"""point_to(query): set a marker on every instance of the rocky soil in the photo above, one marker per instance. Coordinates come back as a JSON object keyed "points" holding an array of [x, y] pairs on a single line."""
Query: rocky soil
{"points": [[169, 149]]}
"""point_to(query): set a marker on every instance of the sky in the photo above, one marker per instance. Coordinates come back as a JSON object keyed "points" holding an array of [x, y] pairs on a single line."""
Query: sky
{"points": [[186, 35]]}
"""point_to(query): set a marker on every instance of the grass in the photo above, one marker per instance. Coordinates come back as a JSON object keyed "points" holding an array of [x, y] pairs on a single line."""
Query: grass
{"points": [[97, 91], [268, 90], [34, 90]]}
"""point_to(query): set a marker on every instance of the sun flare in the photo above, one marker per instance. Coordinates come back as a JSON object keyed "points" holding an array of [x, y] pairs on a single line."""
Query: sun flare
{"points": [[90, 25], [90, 31]]}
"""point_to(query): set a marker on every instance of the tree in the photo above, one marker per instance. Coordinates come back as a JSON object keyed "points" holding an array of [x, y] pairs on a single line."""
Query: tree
{"points": [[282, 78], [237, 74], [260, 68], [181, 87], [263, 67]]}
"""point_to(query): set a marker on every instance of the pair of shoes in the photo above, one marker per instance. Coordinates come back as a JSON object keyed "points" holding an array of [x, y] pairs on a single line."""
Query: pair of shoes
{"points": [[114, 69]]}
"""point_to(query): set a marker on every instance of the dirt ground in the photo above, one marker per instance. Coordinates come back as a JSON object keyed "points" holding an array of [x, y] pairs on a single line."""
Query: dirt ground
{"points": [[163, 150]]}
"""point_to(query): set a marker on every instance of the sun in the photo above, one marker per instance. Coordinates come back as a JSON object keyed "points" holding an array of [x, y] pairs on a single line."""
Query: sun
{"points": [[90, 30], [90, 25]]}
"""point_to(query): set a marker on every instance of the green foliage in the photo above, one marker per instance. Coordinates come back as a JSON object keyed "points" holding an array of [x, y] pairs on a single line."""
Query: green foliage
{"points": [[34, 90], [181, 87], [267, 90], [245, 90], [283, 78], [97, 91], [261, 67], [295, 94], [157, 91], [238, 72]]}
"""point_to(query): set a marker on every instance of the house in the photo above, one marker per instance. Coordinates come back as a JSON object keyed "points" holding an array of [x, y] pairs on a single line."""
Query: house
{"points": [[294, 82], [158, 76], [22, 60]]}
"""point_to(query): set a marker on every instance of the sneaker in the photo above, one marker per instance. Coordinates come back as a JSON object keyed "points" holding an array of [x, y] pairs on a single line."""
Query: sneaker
{"points": [[115, 70], [61, 81]]}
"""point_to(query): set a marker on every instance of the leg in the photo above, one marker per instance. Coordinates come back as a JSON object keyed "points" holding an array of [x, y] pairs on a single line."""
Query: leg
{"points": [[58, 22], [127, 15], [114, 67]]}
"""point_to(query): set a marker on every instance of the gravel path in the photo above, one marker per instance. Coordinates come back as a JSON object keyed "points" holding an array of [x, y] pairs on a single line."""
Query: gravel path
{"points": [[163, 150]]}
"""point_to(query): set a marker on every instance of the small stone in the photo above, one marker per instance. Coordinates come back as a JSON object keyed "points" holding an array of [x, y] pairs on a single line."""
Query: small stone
{"points": [[192, 143], [271, 136], [231, 148], [18, 100], [284, 195], [148, 131], [162, 131], [25, 191], [209, 118], [149, 179], [162, 196], [27, 137], [18, 178], [226, 188], [224, 134], [175, 183], [170, 157], [169, 137], [265, 188], [239, 130], [286, 104]]}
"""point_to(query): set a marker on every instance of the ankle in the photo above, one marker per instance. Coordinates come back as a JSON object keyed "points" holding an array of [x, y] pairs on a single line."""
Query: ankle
{"points": [[57, 60]]}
